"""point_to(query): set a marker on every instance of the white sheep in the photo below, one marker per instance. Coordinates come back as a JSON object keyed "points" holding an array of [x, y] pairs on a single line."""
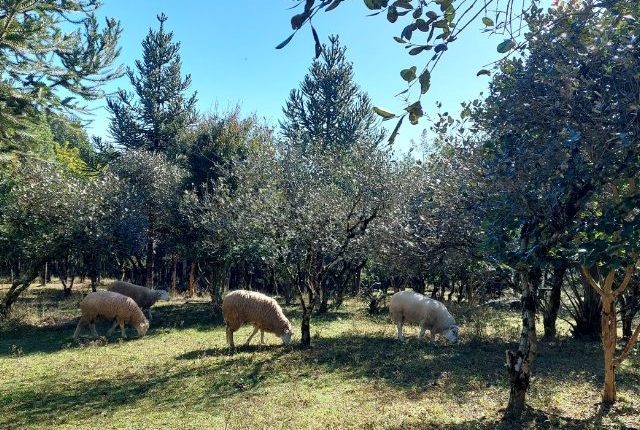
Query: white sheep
{"points": [[143, 296], [263, 312], [430, 314], [111, 306]]}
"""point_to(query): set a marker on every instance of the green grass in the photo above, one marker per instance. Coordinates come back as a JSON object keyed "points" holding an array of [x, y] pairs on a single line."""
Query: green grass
{"points": [[357, 375]]}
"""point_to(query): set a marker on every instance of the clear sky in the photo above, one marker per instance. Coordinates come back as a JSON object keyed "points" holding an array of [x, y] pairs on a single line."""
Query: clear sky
{"points": [[228, 47]]}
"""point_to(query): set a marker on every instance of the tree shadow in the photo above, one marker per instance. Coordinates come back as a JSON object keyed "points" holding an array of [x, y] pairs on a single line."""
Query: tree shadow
{"points": [[24, 338], [80, 400], [226, 352]]}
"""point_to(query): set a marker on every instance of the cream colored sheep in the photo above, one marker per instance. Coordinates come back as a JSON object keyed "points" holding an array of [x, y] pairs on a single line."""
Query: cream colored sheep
{"points": [[113, 307], [143, 296], [430, 314], [263, 312]]}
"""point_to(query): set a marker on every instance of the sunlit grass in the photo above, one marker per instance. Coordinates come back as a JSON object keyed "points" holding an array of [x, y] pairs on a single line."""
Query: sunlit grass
{"points": [[357, 375]]}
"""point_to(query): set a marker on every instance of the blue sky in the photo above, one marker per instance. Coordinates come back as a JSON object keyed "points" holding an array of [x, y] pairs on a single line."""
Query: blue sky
{"points": [[229, 50]]}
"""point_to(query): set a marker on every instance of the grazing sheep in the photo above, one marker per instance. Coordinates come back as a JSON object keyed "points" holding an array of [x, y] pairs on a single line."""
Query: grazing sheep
{"points": [[241, 306], [430, 314], [143, 296], [111, 306]]}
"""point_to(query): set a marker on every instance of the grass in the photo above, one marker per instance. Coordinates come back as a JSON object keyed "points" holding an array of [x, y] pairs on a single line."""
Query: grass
{"points": [[356, 376]]}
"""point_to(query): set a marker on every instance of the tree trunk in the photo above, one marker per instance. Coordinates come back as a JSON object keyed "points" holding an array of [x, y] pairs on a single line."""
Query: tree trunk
{"points": [[43, 275], [520, 362], [609, 346], [324, 299], [305, 329], [553, 306], [192, 280], [17, 288], [630, 304], [149, 265], [174, 275], [609, 327]]}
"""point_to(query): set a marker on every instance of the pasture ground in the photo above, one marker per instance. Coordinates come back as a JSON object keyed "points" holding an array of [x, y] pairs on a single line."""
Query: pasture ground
{"points": [[356, 375]]}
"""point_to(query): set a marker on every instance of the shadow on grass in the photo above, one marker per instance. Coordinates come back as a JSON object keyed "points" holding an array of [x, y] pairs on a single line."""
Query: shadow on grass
{"points": [[24, 338], [531, 419], [78, 400], [226, 352]]}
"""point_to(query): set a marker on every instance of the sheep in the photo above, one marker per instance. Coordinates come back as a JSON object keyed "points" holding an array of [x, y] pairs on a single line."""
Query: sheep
{"points": [[241, 306], [111, 306], [430, 314], [143, 296]]}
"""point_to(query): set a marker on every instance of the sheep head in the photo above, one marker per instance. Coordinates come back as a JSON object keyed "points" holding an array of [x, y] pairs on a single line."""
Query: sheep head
{"points": [[286, 337], [451, 334], [162, 295], [142, 327]]}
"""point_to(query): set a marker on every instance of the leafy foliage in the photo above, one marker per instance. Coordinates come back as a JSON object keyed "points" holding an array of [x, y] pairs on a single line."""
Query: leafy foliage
{"points": [[162, 111], [51, 52], [330, 110]]}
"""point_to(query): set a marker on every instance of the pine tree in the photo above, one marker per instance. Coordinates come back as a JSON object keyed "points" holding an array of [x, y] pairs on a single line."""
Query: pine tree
{"points": [[162, 111], [51, 53], [329, 110]]}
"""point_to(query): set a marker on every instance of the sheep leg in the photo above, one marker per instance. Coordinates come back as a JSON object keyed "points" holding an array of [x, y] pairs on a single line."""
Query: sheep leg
{"points": [[92, 327], [400, 335], [255, 330], [113, 327], [230, 337], [422, 330], [124, 335], [81, 324]]}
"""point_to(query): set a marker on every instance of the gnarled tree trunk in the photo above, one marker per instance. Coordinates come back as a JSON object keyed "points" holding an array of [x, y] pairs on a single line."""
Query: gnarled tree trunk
{"points": [[520, 362], [552, 307], [18, 286], [609, 327]]}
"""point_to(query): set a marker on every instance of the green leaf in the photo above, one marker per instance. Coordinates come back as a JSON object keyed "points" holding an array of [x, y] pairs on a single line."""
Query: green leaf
{"points": [[443, 23], [392, 14], [422, 25], [384, 113], [483, 72], [376, 4], [415, 112], [409, 74], [440, 48], [487, 21], [399, 39], [318, 45], [405, 4], [432, 15], [394, 133], [333, 5], [450, 14], [285, 41], [506, 46], [425, 81]]}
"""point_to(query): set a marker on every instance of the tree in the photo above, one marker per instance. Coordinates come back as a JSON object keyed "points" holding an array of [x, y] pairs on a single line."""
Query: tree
{"points": [[42, 221], [230, 159], [149, 190], [329, 110], [154, 122], [549, 159], [237, 223], [444, 19], [50, 52], [328, 204]]}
